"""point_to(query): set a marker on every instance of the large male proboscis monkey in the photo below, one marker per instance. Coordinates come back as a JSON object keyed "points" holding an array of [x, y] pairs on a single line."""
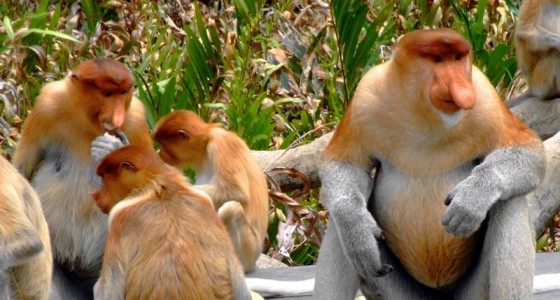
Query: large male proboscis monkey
{"points": [[63, 139], [452, 165], [165, 239], [226, 171], [537, 44], [25, 248]]}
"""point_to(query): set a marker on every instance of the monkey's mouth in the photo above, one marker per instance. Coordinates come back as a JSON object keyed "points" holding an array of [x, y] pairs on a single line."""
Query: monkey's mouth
{"points": [[109, 126], [451, 119]]}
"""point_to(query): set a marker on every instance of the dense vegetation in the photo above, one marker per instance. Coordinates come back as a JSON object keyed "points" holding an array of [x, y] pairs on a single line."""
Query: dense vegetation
{"points": [[275, 72]]}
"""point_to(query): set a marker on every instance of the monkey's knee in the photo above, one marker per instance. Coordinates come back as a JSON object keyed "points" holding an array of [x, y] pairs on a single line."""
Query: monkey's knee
{"points": [[242, 234], [231, 212]]}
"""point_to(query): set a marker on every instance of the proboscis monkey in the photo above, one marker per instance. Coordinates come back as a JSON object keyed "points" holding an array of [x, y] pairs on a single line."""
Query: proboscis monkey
{"points": [[55, 154], [25, 248], [165, 239], [226, 171], [537, 44], [452, 165]]}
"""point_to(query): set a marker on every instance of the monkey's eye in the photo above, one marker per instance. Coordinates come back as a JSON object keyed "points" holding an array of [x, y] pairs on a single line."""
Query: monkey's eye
{"points": [[437, 59], [123, 92], [183, 134], [107, 94], [458, 56], [128, 165]]}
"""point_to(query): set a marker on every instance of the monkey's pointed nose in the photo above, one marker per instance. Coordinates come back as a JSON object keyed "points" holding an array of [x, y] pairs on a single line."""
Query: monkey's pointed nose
{"points": [[464, 98]]}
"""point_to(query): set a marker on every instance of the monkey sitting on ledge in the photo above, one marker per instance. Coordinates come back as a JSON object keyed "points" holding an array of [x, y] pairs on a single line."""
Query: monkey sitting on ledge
{"points": [[55, 155], [226, 171], [165, 239], [453, 166]]}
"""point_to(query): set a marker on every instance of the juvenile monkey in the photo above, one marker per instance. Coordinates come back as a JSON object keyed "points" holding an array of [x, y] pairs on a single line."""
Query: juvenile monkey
{"points": [[537, 44], [226, 171], [165, 239], [54, 154], [25, 249], [452, 165]]}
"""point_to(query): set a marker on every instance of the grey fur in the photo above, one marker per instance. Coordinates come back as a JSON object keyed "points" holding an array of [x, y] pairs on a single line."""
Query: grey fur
{"points": [[239, 287], [496, 178], [105, 144], [356, 230], [352, 256]]}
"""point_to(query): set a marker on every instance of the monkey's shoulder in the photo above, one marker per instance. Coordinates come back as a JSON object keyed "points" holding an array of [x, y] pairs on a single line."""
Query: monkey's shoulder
{"points": [[53, 95]]}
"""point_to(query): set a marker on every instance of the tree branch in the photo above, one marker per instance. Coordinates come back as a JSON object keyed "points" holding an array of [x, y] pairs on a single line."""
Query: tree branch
{"points": [[543, 116]]}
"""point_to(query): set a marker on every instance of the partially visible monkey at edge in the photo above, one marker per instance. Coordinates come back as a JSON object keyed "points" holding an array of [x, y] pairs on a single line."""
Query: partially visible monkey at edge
{"points": [[55, 153], [25, 248], [537, 44], [165, 239], [226, 171], [453, 166]]}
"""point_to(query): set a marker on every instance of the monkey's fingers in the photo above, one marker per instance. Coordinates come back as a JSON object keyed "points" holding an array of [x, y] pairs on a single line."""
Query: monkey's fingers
{"points": [[461, 220], [119, 134], [385, 269], [367, 260], [103, 145]]}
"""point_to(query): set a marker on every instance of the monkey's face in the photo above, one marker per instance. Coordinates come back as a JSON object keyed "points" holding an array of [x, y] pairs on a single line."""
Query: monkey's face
{"points": [[184, 151], [443, 58], [105, 97], [169, 151], [113, 106], [103, 200], [117, 185]]}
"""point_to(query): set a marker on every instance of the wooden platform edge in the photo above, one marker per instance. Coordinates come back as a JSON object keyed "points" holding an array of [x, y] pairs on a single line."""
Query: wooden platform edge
{"points": [[545, 263]]}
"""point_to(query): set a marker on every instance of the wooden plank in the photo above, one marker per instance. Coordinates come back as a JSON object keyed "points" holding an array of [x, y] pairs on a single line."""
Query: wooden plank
{"points": [[545, 263]]}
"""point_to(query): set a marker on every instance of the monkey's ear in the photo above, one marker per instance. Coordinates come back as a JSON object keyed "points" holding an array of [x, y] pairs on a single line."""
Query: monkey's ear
{"points": [[76, 76], [129, 166], [183, 134]]}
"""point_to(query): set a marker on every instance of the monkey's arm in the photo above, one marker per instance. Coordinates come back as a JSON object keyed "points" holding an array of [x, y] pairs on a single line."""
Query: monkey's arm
{"points": [[345, 191], [111, 285], [112, 280], [28, 156], [19, 241], [223, 192], [504, 174], [537, 38]]}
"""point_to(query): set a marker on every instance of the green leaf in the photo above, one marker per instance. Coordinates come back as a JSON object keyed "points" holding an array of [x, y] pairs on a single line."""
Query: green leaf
{"points": [[93, 15], [52, 33], [9, 29]]}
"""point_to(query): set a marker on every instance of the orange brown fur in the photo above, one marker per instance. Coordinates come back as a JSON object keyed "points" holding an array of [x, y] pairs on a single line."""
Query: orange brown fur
{"points": [[394, 119], [54, 154], [228, 173], [165, 240], [70, 112], [537, 44], [25, 254]]}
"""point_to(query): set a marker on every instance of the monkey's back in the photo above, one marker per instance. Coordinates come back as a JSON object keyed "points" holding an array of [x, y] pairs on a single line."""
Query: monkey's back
{"points": [[178, 250], [238, 163]]}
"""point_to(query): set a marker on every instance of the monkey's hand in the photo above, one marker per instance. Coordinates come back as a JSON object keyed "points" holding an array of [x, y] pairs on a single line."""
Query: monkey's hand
{"points": [[105, 144], [504, 174], [345, 191]]}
